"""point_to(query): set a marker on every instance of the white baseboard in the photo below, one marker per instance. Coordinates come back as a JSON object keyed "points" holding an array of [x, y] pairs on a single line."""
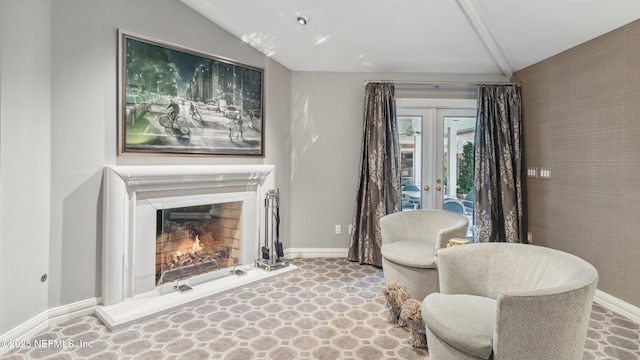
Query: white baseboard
{"points": [[35, 325], [72, 311], [616, 305], [293, 253], [24, 331]]}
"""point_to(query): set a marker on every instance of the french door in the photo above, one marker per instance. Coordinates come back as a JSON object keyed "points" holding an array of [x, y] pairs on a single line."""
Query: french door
{"points": [[436, 149]]}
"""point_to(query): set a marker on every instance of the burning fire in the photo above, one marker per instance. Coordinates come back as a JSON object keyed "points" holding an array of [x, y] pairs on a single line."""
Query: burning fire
{"points": [[194, 250], [196, 244]]}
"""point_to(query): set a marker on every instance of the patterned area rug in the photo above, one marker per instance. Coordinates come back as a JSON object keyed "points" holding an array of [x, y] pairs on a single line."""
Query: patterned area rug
{"points": [[326, 309]]}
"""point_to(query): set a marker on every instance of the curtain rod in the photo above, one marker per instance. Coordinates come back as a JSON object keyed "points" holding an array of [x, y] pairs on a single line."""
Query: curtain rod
{"points": [[437, 83]]}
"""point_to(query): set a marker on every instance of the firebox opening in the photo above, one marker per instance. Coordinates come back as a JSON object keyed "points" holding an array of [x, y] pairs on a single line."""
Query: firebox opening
{"points": [[196, 240]]}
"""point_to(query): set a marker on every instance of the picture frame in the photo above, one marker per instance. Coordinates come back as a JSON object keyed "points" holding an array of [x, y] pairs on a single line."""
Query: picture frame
{"points": [[177, 101]]}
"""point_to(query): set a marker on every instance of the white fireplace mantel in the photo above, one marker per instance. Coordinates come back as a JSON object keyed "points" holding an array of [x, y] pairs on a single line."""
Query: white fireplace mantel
{"points": [[176, 177], [124, 185]]}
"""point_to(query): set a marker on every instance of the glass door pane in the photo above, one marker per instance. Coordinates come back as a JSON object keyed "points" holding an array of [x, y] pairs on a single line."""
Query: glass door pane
{"points": [[419, 152], [410, 136], [458, 162]]}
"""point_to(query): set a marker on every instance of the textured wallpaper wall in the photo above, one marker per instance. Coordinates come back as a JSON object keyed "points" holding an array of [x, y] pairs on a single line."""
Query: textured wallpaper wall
{"points": [[582, 120]]}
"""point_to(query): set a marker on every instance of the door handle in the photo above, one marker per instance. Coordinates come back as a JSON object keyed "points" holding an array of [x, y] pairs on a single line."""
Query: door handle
{"points": [[426, 188], [438, 187]]}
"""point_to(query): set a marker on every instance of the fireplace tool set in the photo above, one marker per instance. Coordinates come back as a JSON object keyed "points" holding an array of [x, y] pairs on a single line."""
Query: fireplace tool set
{"points": [[271, 253]]}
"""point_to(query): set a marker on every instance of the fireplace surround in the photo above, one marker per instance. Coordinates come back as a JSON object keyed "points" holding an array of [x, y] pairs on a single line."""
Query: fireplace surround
{"points": [[132, 195]]}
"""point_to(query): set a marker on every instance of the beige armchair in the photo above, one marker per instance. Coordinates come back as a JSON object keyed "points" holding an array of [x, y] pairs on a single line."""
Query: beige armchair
{"points": [[509, 301], [409, 240]]}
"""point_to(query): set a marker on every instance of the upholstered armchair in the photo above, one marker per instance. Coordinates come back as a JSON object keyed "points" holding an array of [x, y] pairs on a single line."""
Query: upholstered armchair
{"points": [[409, 241], [509, 301]]}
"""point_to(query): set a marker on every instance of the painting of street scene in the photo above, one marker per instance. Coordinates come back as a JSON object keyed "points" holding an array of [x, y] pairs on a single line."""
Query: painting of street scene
{"points": [[178, 101]]}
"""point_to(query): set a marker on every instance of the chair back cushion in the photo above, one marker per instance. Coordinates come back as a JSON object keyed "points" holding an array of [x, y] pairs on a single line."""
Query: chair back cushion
{"points": [[423, 225], [493, 268]]}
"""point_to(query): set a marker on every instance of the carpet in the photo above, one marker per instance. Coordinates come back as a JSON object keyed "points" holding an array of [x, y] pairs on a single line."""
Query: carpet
{"points": [[328, 308]]}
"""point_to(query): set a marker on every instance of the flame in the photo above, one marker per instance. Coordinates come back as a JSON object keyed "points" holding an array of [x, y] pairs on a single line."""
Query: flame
{"points": [[196, 244]]}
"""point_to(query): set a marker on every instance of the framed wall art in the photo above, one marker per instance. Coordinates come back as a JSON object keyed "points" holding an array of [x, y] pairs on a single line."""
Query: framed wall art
{"points": [[177, 101]]}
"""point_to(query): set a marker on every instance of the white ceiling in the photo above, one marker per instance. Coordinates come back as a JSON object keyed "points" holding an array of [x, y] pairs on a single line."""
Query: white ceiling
{"points": [[419, 36]]}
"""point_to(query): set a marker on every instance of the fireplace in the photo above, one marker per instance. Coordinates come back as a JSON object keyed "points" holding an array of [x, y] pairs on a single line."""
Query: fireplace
{"points": [[167, 226]]}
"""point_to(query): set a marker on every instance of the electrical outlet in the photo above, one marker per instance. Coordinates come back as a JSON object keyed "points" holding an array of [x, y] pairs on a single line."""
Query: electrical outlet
{"points": [[350, 229], [338, 229], [530, 237], [545, 173]]}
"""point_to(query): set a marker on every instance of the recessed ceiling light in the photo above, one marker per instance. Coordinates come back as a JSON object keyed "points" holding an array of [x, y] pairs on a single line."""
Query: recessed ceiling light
{"points": [[303, 19]]}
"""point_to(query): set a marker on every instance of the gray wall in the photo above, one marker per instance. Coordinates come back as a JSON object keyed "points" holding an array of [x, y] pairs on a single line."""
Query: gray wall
{"points": [[326, 137], [278, 139], [25, 180], [326, 129], [59, 121]]}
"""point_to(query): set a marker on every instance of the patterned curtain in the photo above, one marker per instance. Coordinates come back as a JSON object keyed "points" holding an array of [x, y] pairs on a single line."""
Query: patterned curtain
{"points": [[379, 188], [498, 165]]}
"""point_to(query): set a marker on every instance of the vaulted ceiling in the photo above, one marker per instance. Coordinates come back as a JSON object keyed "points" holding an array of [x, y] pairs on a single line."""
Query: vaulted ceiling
{"points": [[421, 36]]}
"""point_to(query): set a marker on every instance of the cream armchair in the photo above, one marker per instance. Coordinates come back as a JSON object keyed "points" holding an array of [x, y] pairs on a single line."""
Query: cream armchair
{"points": [[509, 301], [409, 240]]}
